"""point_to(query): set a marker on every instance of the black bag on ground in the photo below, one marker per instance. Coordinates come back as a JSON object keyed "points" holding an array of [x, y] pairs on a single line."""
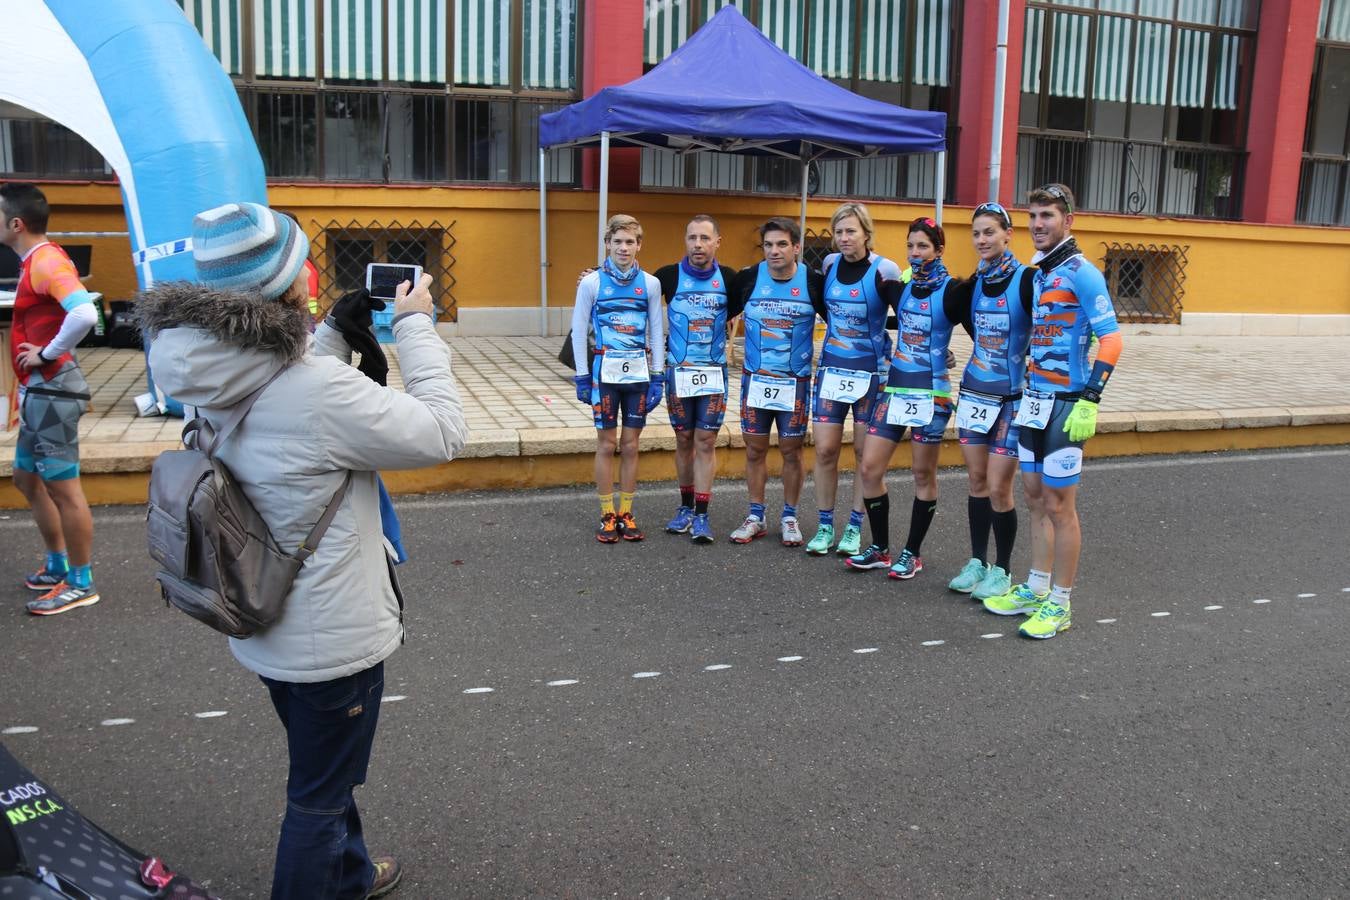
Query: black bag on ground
{"points": [[219, 561]]}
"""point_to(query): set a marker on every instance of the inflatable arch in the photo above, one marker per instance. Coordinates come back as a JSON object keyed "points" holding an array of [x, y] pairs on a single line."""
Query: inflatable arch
{"points": [[137, 82]]}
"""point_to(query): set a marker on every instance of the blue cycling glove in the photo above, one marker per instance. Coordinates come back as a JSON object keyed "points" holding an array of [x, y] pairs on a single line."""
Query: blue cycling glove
{"points": [[583, 383], [654, 391]]}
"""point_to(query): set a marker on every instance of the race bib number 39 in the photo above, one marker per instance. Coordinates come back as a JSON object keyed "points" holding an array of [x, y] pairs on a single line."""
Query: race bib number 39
{"points": [[844, 385], [913, 409], [624, 367], [977, 412], [698, 381], [1034, 410], [767, 392]]}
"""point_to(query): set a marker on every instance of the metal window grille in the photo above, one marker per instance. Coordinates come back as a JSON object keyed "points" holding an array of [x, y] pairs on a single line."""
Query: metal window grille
{"points": [[1147, 282], [342, 250]]}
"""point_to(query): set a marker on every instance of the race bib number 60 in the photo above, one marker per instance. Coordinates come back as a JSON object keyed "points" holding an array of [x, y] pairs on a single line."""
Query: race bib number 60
{"points": [[624, 367], [698, 381], [767, 392]]}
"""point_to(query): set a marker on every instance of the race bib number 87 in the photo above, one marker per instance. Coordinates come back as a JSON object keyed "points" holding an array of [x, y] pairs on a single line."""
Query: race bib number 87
{"points": [[767, 392]]}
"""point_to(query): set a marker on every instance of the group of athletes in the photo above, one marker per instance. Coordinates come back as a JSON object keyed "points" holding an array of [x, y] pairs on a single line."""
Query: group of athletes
{"points": [[1027, 398]]}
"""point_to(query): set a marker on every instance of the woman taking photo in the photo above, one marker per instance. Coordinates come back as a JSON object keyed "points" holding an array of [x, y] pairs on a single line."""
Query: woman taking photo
{"points": [[860, 289], [1000, 313], [917, 396]]}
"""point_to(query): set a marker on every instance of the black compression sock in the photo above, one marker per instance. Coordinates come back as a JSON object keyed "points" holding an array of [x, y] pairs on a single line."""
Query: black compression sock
{"points": [[1005, 535], [687, 495], [980, 512], [920, 518], [879, 517]]}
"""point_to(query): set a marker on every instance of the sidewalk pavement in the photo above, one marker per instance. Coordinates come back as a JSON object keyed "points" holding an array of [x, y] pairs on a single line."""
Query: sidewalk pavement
{"points": [[1224, 392]]}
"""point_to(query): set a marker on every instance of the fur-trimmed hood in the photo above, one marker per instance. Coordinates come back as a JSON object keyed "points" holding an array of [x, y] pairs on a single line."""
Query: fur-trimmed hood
{"points": [[212, 348]]}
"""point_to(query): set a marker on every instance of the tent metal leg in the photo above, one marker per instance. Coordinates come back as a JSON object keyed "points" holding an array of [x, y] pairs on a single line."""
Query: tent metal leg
{"points": [[604, 195], [939, 184], [1000, 87], [543, 242], [806, 173]]}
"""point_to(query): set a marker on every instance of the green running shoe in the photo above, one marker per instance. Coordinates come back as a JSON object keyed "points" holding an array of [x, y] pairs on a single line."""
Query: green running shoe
{"points": [[1050, 620], [821, 543], [1019, 601], [851, 543], [970, 576], [996, 582]]}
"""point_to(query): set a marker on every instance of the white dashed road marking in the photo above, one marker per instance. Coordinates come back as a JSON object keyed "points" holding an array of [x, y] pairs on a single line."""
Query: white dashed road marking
{"points": [[111, 722], [1106, 621], [790, 658], [1212, 608], [393, 698], [1159, 615], [563, 682], [482, 690], [645, 674], [1306, 596], [20, 729], [866, 650], [991, 635], [716, 667], [211, 714], [1262, 600], [933, 643]]}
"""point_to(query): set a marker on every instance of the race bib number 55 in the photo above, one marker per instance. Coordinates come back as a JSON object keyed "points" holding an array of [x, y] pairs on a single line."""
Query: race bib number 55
{"points": [[844, 385]]}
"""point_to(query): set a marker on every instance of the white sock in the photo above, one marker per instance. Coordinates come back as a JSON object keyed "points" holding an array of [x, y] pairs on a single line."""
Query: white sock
{"points": [[1060, 595], [1039, 582]]}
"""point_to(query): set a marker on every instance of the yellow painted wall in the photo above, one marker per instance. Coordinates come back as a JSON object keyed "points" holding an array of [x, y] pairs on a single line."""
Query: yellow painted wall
{"points": [[497, 255]]}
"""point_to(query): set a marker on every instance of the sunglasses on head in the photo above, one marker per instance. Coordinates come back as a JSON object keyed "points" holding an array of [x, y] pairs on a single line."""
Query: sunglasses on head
{"points": [[996, 209], [1057, 192]]}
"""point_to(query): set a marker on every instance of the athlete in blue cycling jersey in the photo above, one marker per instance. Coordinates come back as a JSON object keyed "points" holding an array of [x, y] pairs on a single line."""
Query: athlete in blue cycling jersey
{"points": [[1000, 317], [918, 396], [780, 299], [1058, 410], [861, 287], [621, 306], [696, 290]]}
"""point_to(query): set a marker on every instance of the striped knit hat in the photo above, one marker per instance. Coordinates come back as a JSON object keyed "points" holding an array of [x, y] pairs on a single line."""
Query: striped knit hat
{"points": [[248, 247]]}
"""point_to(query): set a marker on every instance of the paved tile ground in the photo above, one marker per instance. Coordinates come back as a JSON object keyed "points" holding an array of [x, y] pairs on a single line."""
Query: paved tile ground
{"points": [[514, 384]]}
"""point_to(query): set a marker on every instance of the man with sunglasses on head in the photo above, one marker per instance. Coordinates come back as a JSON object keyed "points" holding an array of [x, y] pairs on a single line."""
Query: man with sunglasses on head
{"points": [[1058, 410]]}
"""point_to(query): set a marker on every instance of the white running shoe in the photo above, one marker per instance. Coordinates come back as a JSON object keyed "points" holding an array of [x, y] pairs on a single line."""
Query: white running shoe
{"points": [[753, 527], [792, 532]]}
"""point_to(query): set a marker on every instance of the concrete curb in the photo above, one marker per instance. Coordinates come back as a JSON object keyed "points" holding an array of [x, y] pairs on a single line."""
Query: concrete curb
{"points": [[542, 457]]}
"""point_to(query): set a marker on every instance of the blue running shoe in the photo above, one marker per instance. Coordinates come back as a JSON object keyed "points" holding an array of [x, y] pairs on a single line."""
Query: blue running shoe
{"points": [[683, 521], [701, 530]]}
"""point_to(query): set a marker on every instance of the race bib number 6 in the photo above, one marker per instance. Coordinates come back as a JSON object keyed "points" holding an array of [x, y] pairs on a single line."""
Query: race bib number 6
{"points": [[844, 385], [912, 409], [1034, 410], [977, 412], [624, 367], [767, 392], [698, 381]]}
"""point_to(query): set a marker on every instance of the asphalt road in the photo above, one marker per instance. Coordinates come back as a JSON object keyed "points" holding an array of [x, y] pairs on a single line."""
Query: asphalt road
{"points": [[862, 738]]}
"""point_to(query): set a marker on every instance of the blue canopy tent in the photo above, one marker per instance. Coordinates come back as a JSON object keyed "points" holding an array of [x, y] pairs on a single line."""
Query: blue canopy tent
{"points": [[730, 89]]}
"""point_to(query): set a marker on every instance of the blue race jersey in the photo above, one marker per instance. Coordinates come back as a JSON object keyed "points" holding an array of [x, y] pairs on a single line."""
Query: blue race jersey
{"points": [[619, 316], [780, 323], [920, 357], [1071, 305], [1002, 328], [697, 321], [855, 334]]}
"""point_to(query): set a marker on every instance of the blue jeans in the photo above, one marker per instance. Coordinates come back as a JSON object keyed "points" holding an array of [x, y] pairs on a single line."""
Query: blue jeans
{"points": [[330, 726]]}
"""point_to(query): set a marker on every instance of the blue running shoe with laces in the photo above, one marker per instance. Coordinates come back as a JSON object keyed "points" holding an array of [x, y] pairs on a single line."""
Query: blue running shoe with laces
{"points": [[701, 530], [683, 521]]}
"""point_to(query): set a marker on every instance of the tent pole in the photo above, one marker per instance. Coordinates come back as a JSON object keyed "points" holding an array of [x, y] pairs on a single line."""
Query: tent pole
{"points": [[604, 195], [939, 183], [543, 242], [1000, 87], [806, 171]]}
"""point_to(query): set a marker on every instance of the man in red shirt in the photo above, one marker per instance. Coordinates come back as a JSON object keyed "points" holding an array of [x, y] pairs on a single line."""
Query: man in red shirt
{"points": [[52, 313]]}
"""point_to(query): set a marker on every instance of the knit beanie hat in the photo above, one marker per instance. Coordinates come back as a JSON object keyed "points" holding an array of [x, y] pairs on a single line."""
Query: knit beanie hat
{"points": [[248, 247]]}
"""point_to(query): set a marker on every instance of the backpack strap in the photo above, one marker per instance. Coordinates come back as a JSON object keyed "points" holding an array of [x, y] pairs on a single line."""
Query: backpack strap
{"points": [[310, 543], [208, 439]]}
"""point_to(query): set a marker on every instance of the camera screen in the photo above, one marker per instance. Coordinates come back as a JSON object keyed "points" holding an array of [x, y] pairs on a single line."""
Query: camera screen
{"points": [[384, 279]]}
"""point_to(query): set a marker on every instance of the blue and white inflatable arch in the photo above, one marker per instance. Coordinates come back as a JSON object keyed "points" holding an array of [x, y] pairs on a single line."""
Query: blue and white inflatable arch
{"points": [[137, 82]]}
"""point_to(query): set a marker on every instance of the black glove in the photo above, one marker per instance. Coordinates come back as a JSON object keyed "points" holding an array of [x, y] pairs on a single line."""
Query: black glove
{"points": [[351, 316]]}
